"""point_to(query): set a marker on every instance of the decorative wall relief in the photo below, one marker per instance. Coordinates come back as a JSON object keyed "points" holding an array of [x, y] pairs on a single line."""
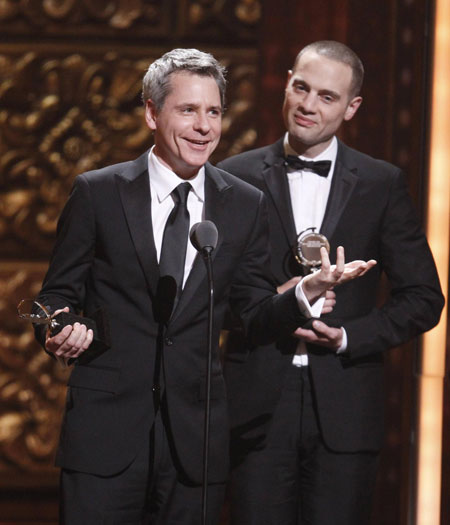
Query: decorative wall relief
{"points": [[101, 18], [218, 19], [60, 116], [32, 385]]}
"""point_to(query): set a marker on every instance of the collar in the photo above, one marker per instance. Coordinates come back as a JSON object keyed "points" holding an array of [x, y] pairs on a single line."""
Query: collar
{"points": [[163, 180], [330, 153]]}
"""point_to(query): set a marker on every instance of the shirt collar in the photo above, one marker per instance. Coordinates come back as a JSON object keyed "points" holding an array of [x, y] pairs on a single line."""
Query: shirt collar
{"points": [[330, 153], [164, 181]]}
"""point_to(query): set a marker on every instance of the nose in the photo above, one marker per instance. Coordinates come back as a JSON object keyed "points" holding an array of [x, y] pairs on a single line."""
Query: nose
{"points": [[308, 103], [201, 123]]}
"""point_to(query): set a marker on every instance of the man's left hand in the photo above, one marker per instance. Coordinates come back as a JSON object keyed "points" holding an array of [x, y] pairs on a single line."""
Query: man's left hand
{"points": [[321, 334]]}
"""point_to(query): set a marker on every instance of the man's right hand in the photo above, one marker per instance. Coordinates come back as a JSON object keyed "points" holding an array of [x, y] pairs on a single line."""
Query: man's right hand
{"points": [[71, 342], [329, 276]]}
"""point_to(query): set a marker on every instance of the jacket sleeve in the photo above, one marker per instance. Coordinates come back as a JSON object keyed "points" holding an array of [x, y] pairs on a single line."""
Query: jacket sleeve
{"points": [[415, 300], [265, 315], [64, 283]]}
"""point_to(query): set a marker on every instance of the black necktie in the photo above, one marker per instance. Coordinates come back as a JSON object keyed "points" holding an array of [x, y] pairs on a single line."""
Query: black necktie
{"points": [[321, 167], [176, 233]]}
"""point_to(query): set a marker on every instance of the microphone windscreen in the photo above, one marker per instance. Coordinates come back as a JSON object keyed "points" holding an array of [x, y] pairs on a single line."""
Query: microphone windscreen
{"points": [[204, 235], [166, 292]]}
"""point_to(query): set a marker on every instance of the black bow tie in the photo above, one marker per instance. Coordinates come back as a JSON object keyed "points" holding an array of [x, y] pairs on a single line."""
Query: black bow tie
{"points": [[321, 167]]}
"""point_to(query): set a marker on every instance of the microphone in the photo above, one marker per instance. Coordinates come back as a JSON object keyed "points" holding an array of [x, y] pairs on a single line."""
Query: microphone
{"points": [[166, 292], [203, 236]]}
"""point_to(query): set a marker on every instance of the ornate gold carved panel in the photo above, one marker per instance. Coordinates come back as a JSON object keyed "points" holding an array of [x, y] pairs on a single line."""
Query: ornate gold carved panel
{"points": [[98, 18], [219, 19], [60, 115], [32, 385]]}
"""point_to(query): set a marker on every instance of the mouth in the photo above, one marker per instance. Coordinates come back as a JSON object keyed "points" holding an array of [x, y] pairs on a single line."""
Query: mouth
{"points": [[303, 121], [198, 143]]}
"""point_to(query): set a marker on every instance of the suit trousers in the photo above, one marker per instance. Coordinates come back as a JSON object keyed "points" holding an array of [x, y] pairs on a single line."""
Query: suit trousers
{"points": [[150, 491], [296, 479]]}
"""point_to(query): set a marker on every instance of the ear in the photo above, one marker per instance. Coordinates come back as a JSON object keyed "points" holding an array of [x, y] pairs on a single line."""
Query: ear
{"points": [[150, 114], [352, 108]]}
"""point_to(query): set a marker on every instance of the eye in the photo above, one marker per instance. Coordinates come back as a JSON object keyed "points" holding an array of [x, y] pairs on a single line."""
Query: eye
{"points": [[300, 88], [214, 112], [326, 97]]}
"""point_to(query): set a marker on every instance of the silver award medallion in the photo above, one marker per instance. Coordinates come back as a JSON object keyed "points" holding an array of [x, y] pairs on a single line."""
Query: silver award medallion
{"points": [[307, 249]]}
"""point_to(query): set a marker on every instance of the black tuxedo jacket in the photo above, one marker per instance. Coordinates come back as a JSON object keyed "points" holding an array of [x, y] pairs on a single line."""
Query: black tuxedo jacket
{"points": [[105, 257], [370, 213]]}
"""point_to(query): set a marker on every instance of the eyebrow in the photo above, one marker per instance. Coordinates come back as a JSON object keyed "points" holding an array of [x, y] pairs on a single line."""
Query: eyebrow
{"points": [[333, 94], [196, 106], [330, 92]]}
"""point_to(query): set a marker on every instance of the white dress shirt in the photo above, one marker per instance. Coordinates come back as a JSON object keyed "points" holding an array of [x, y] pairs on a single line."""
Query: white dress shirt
{"points": [[309, 196], [162, 182]]}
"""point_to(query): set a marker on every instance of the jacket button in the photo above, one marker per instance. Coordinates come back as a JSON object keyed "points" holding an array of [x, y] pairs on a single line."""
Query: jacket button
{"points": [[169, 341]]}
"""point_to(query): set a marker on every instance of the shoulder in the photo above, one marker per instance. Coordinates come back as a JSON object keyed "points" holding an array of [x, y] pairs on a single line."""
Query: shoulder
{"points": [[252, 159], [105, 174], [363, 163], [232, 182]]}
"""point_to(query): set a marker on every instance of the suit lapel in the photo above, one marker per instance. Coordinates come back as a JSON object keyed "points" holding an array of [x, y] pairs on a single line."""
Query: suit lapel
{"points": [[134, 189], [217, 193], [275, 177], [342, 186]]}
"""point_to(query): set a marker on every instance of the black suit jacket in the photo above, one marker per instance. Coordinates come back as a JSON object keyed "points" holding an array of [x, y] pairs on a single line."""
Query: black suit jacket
{"points": [[105, 257], [370, 213]]}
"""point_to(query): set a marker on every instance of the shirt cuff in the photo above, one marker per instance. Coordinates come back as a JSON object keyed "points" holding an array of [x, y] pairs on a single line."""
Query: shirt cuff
{"points": [[305, 308], [344, 343]]}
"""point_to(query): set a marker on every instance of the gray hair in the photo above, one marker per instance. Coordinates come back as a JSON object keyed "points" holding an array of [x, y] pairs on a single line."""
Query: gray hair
{"points": [[156, 84], [340, 53]]}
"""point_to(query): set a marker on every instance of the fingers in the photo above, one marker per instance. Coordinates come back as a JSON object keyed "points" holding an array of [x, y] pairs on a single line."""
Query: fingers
{"points": [[71, 342], [332, 273], [325, 264], [322, 335], [329, 303], [369, 265], [65, 309], [330, 295], [340, 262]]}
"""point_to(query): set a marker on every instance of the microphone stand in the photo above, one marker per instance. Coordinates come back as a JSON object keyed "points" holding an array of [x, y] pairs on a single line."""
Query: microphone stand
{"points": [[206, 254], [204, 237]]}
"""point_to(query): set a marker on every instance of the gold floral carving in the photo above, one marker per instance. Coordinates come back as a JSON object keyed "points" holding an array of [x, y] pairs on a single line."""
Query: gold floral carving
{"points": [[248, 11], [239, 121], [221, 18], [60, 117], [117, 14], [32, 385]]}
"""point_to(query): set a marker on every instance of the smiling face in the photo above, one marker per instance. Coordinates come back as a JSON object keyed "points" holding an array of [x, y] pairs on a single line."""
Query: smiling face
{"points": [[187, 129], [317, 100]]}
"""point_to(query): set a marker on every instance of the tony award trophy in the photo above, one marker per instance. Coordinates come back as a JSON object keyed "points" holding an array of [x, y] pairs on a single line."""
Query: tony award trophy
{"points": [[31, 310], [307, 249]]}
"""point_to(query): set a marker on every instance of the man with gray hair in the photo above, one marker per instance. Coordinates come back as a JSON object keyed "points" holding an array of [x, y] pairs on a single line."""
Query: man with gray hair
{"points": [[307, 415], [131, 446]]}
